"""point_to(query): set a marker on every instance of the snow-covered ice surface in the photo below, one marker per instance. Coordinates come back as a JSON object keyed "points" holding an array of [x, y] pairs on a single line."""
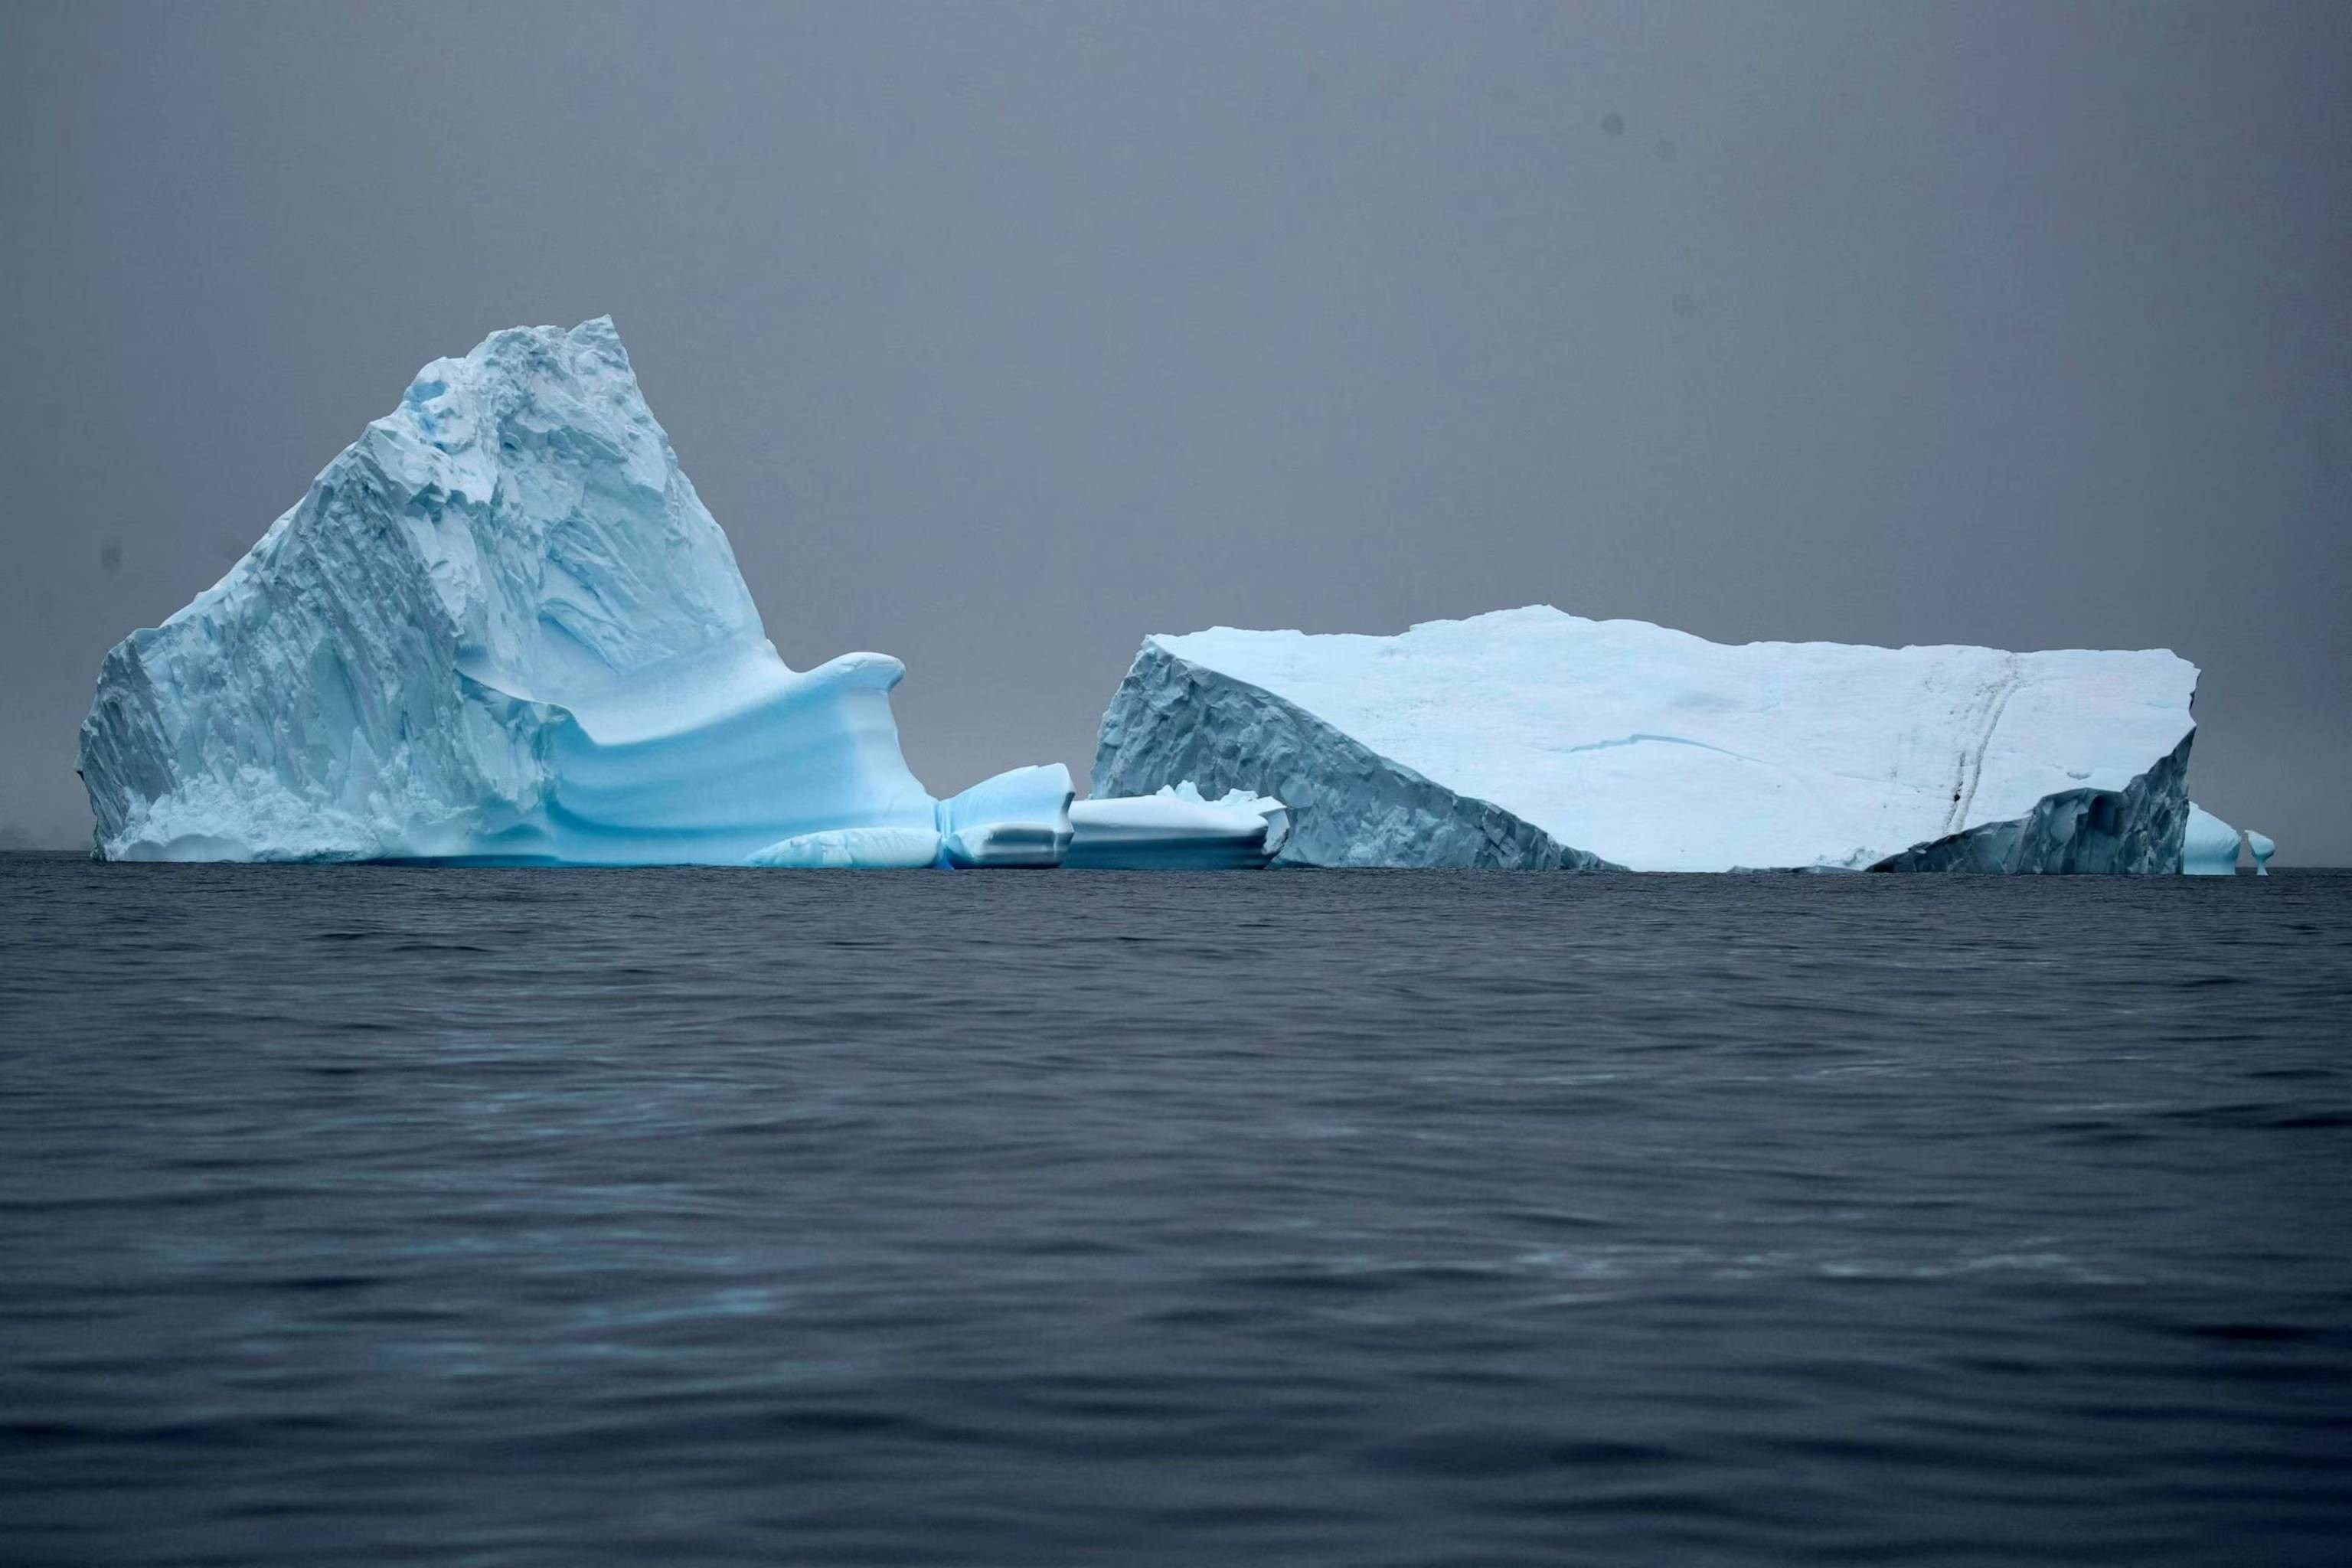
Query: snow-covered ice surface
{"points": [[1533, 738], [500, 625], [1175, 829], [2209, 846]]}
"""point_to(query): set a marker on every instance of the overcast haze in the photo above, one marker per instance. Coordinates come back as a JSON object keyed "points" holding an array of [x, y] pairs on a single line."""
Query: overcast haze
{"points": [[997, 337]]}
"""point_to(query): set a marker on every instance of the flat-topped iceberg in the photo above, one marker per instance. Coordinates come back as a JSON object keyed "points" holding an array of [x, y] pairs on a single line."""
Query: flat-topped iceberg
{"points": [[1533, 738], [502, 626]]}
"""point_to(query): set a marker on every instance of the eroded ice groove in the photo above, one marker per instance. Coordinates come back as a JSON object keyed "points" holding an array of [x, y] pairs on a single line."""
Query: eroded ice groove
{"points": [[1532, 738], [2209, 846], [1176, 829], [500, 625]]}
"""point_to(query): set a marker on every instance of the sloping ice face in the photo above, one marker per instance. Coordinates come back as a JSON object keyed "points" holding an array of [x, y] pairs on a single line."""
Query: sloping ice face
{"points": [[502, 626], [1533, 738]]}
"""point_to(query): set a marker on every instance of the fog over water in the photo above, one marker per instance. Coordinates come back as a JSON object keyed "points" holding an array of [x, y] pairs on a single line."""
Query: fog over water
{"points": [[998, 337]]}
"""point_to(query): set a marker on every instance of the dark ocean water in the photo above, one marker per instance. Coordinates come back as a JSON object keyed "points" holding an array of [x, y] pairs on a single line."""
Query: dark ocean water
{"points": [[358, 1214]]}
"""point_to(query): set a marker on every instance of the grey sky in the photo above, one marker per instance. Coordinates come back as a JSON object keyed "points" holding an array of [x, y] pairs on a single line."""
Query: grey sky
{"points": [[998, 336]]}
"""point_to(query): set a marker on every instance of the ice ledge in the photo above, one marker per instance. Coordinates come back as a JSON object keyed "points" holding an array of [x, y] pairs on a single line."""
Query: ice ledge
{"points": [[1178, 830]]}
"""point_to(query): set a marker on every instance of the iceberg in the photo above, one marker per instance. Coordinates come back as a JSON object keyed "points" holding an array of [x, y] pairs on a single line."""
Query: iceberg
{"points": [[1536, 739], [2260, 846], [1175, 829], [503, 627], [2209, 846]]}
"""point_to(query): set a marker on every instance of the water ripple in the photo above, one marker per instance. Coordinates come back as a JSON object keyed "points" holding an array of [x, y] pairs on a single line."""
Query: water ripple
{"points": [[469, 1217]]}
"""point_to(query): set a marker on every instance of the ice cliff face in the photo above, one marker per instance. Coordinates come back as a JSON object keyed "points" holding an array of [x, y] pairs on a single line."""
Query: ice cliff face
{"points": [[500, 625], [1531, 738]]}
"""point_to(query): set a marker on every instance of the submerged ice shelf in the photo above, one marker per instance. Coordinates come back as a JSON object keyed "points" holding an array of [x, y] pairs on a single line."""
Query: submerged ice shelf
{"points": [[502, 626], [1533, 738], [2262, 848]]}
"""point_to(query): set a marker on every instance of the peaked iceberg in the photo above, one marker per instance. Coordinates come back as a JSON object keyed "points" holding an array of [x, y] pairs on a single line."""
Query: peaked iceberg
{"points": [[502, 626], [1533, 738]]}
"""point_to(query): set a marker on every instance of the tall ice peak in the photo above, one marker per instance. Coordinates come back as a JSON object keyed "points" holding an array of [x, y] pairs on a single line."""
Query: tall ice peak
{"points": [[500, 625]]}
